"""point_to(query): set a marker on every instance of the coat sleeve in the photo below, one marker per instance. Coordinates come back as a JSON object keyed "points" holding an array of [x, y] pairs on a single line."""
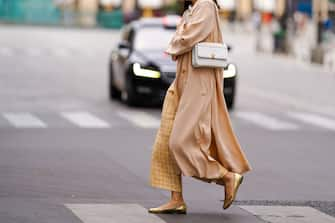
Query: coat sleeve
{"points": [[197, 29]]}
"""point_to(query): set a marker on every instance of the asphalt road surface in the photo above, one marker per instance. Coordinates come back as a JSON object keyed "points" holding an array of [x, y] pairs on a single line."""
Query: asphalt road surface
{"points": [[68, 154]]}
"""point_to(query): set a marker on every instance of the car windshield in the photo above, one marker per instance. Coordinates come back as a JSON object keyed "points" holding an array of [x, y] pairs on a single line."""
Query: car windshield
{"points": [[153, 38]]}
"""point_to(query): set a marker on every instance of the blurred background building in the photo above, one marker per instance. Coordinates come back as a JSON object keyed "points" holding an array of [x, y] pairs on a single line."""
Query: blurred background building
{"points": [[303, 28]]}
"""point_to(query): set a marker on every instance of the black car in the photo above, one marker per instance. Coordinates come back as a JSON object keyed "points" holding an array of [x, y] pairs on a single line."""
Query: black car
{"points": [[139, 70]]}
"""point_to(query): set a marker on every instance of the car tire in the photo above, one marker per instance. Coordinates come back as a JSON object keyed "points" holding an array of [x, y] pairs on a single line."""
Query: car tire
{"points": [[129, 95], [230, 102], [114, 93]]}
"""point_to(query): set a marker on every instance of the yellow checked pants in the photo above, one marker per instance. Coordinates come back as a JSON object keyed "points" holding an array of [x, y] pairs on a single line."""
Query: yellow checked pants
{"points": [[164, 172]]}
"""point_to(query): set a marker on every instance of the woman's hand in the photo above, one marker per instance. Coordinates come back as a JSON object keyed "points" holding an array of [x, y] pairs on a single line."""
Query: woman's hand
{"points": [[173, 56]]}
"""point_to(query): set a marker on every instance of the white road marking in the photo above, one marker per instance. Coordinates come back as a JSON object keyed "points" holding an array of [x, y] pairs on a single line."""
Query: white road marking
{"points": [[24, 120], [6, 51], [141, 119], [266, 121], [85, 120], [314, 119], [113, 213], [61, 52], [35, 52], [289, 214], [287, 100]]}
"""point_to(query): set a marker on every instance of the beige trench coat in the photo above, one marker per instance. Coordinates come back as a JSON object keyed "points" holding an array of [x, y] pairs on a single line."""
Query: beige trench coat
{"points": [[196, 136]]}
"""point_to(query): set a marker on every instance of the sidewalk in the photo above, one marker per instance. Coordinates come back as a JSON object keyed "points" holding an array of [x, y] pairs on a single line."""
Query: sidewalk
{"points": [[286, 78], [301, 44]]}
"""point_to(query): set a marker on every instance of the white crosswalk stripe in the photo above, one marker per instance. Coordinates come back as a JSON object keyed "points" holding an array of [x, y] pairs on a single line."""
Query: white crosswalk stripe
{"points": [[24, 120], [85, 120], [314, 119], [135, 213], [289, 214], [61, 52], [141, 119], [266, 121], [6, 51], [113, 213], [34, 52]]}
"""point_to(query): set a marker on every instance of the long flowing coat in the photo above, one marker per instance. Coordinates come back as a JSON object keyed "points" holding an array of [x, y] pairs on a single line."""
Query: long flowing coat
{"points": [[196, 136]]}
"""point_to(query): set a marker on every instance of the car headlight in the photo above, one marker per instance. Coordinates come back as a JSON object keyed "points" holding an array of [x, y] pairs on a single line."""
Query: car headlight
{"points": [[231, 71], [142, 72]]}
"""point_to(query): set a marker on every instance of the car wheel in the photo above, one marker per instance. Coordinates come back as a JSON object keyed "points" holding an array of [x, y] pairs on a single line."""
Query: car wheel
{"points": [[129, 95], [230, 102], [114, 93]]}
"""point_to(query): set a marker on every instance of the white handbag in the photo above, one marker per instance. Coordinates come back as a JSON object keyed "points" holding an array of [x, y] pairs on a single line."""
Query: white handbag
{"points": [[209, 54]]}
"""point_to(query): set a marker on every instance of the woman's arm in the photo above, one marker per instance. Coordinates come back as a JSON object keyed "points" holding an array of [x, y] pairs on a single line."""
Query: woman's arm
{"points": [[197, 29]]}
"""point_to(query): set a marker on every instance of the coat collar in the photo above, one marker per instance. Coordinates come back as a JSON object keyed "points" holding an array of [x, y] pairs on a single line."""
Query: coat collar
{"points": [[192, 7]]}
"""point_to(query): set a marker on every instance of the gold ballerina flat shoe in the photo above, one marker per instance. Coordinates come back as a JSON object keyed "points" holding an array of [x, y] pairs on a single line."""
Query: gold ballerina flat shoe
{"points": [[229, 199], [181, 209]]}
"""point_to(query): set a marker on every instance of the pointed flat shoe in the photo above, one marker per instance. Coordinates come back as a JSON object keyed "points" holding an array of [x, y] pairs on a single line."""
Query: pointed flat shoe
{"points": [[181, 209], [238, 179]]}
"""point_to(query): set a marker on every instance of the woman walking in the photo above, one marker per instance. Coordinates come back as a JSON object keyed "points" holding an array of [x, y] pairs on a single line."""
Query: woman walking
{"points": [[195, 137]]}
